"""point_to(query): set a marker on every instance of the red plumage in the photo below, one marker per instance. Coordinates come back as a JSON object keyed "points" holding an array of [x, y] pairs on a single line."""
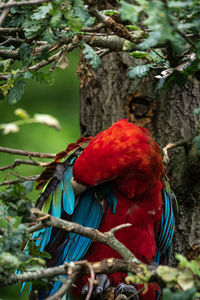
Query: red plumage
{"points": [[127, 161], [126, 155]]}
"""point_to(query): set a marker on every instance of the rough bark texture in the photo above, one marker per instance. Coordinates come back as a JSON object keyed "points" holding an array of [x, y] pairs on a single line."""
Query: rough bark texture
{"points": [[169, 116]]}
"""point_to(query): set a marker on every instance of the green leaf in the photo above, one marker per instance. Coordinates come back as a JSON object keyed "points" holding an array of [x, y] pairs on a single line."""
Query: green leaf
{"points": [[139, 54], [160, 84], [196, 111], [5, 88], [56, 18], [28, 186], [27, 75], [24, 52], [185, 280], [152, 40], [17, 91], [6, 64], [138, 71], [192, 265], [129, 12], [91, 56], [75, 23], [187, 295], [110, 12], [32, 27], [44, 77], [49, 37], [132, 27], [167, 274], [9, 261], [42, 12], [180, 4]]}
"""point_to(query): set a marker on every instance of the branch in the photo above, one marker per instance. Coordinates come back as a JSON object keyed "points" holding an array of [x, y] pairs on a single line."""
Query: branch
{"points": [[45, 62], [10, 29], [109, 22], [18, 162], [187, 38], [106, 238], [110, 265], [113, 42], [5, 12], [71, 278], [27, 153], [94, 28], [19, 180], [91, 282], [22, 3]]}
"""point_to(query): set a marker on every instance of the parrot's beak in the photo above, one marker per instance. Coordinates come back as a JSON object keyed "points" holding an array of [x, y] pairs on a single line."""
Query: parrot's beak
{"points": [[78, 188]]}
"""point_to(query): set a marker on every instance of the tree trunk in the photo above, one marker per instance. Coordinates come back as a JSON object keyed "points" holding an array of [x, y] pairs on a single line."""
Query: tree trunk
{"points": [[170, 118]]}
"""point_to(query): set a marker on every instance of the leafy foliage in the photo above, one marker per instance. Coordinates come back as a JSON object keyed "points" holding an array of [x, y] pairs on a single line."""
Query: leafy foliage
{"points": [[187, 295], [42, 31], [14, 202]]}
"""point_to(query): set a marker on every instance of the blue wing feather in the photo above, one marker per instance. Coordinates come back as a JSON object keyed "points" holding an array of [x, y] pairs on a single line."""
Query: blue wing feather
{"points": [[167, 226], [68, 192], [56, 203], [60, 202]]}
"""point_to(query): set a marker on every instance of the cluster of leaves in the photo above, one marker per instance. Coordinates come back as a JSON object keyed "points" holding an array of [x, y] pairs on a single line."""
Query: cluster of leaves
{"points": [[38, 31], [182, 283], [174, 27], [14, 213], [26, 119], [186, 277], [59, 26]]}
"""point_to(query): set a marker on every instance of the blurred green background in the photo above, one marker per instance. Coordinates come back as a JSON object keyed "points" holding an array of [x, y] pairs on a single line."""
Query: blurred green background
{"points": [[61, 100]]}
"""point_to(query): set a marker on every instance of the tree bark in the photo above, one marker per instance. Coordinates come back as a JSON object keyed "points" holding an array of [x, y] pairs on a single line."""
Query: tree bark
{"points": [[170, 118]]}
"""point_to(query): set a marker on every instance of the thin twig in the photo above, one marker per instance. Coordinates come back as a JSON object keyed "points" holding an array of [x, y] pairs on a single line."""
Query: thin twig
{"points": [[19, 180], [27, 153], [10, 29], [22, 3], [94, 28], [19, 162], [188, 39], [5, 12], [71, 278], [91, 282], [45, 62]]}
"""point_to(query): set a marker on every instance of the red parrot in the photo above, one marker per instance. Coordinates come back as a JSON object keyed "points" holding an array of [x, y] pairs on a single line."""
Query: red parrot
{"points": [[121, 171]]}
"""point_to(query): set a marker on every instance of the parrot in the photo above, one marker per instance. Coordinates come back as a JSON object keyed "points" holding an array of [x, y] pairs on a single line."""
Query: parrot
{"points": [[114, 178]]}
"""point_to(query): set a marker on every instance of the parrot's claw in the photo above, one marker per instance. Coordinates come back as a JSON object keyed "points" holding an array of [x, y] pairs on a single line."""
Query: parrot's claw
{"points": [[127, 290], [102, 285]]}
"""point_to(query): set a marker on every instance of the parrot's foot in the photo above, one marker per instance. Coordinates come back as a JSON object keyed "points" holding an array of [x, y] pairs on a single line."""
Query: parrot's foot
{"points": [[128, 290], [103, 283]]}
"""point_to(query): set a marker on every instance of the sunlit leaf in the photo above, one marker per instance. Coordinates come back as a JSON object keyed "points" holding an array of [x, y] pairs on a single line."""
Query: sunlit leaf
{"points": [[138, 71], [91, 56], [41, 12]]}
